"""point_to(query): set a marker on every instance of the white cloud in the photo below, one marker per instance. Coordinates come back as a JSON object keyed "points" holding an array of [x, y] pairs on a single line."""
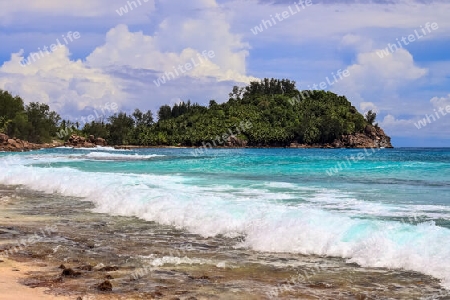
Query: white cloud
{"points": [[389, 72], [366, 106], [56, 80], [374, 79], [79, 8], [183, 31], [386, 22], [440, 102], [357, 42], [123, 68], [434, 121], [139, 51]]}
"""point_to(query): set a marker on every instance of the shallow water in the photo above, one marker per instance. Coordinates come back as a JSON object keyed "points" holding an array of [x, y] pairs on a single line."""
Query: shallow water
{"points": [[162, 262], [390, 209]]}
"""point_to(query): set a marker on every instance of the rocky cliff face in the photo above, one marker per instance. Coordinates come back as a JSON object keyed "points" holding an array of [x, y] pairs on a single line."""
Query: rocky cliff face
{"points": [[372, 137], [16, 145]]}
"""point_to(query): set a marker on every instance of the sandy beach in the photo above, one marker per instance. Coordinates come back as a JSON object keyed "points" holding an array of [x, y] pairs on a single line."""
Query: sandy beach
{"points": [[11, 273]]}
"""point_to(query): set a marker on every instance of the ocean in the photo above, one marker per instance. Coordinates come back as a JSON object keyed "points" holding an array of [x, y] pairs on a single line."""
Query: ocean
{"points": [[380, 208]]}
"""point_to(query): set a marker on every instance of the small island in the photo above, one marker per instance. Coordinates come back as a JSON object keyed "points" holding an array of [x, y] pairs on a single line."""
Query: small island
{"points": [[268, 113]]}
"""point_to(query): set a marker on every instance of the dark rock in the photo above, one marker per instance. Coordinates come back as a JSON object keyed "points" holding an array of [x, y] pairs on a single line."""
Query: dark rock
{"points": [[109, 269], [3, 138], [86, 268], [105, 286], [70, 273], [203, 277], [62, 267]]}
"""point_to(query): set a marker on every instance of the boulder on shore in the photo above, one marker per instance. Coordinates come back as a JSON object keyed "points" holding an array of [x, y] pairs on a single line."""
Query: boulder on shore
{"points": [[77, 141], [17, 145]]}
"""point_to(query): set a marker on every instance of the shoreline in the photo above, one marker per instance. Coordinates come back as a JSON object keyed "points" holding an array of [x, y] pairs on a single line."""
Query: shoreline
{"points": [[133, 147], [15, 145], [145, 259]]}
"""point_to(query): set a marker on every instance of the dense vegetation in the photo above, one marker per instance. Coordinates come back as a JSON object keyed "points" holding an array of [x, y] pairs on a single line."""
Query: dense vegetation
{"points": [[33, 122], [278, 113]]}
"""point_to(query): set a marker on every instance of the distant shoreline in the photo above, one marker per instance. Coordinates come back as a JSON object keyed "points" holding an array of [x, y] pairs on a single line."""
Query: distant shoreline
{"points": [[133, 147]]}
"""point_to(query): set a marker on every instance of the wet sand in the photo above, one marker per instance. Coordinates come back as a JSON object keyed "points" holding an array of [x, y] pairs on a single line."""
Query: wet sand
{"points": [[64, 251]]}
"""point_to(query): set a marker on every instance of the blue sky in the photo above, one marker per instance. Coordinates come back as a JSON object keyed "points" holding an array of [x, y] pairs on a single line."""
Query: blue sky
{"points": [[118, 56]]}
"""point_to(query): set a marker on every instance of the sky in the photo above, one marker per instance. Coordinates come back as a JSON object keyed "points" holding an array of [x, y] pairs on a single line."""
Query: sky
{"points": [[91, 55]]}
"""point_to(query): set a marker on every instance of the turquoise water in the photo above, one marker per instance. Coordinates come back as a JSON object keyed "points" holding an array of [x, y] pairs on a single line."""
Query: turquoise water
{"points": [[383, 208]]}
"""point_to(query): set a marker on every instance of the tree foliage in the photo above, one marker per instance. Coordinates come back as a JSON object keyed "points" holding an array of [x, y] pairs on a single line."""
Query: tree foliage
{"points": [[370, 117], [34, 122], [278, 113], [274, 107]]}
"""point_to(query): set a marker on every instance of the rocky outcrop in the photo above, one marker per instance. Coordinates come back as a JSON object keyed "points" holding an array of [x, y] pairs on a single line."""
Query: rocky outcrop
{"points": [[298, 145], [234, 141], [3, 138], [17, 145], [77, 141], [373, 137]]}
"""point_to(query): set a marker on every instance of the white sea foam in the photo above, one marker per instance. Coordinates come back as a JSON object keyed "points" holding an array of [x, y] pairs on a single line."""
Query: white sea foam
{"points": [[173, 260], [114, 156], [96, 148], [347, 203], [267, 225]]}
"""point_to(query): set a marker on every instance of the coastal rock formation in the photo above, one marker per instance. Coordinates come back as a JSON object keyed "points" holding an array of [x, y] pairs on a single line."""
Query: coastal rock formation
{"points": [[3, 138], [17, 145], [234, 141], [79, 141], [373, 137], [298, 145]]}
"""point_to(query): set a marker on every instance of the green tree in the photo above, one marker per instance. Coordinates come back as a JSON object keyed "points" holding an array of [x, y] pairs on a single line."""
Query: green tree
{"points": [[120, 129], [42, 122], [164, 113], [370, 117]]}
